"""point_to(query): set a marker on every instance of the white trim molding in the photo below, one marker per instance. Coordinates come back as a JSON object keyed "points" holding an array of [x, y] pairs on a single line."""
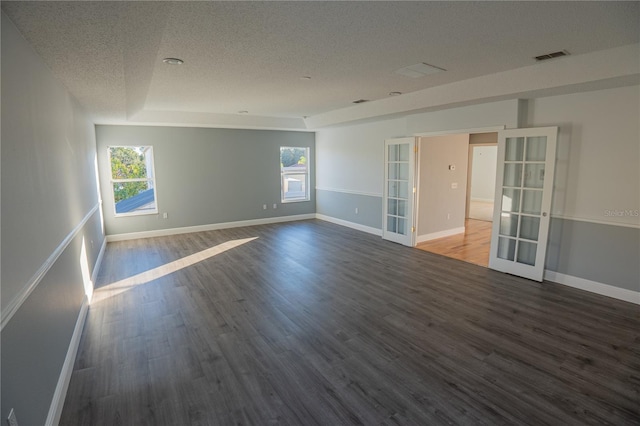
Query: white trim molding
{"points": [[348, 191], [596, 221], [55, 409], [352, 225], [210, 227], [441, 234], [21, 297], [593, 286], [492, 129]]}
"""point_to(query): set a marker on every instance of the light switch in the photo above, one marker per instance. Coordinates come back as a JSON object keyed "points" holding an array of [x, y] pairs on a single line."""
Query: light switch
{"points": [[454, 185]]}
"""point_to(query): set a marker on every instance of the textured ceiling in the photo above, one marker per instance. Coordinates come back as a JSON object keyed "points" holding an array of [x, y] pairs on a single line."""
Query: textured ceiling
{"points": [[251, 55]]}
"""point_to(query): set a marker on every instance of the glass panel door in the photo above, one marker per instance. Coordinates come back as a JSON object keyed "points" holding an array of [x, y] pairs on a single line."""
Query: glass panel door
{"points": [[399, 190], [523, 198]]}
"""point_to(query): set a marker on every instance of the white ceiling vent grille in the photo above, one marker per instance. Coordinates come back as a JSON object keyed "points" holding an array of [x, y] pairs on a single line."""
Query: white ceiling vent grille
{"points": [[419, 70]]}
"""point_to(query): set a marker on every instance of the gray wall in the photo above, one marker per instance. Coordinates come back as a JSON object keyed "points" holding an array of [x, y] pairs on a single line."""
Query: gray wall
{"points": [[205, 176], [597, 252], [343, 206], [48, 187]]}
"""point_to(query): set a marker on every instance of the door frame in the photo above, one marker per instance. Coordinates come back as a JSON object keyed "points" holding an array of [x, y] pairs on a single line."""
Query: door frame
{"points": [[474, 130]]}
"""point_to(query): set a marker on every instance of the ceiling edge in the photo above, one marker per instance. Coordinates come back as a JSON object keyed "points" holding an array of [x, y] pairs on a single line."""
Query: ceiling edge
{"points": [[565, 75], [201, 119]]}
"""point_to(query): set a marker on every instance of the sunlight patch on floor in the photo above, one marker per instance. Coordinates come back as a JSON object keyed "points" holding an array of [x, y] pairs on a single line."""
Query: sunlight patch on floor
{"points": [[126, 284]]}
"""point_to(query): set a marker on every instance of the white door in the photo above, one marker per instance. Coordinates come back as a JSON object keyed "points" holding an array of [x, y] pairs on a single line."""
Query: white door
{"points": [[399, 190], [524, 186]]}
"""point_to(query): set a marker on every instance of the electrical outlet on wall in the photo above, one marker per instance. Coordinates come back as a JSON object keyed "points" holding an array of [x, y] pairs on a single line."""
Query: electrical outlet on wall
{"points": [[264, 207], [12, 420], [356, 210]]}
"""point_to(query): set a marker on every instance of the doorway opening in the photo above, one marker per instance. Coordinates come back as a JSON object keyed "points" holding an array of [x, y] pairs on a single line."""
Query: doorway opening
{"points": [[471, 242]]}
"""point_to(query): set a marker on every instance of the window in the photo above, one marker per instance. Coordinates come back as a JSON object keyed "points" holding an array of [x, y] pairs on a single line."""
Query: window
{"points": [[133, 180], [294, 174]]}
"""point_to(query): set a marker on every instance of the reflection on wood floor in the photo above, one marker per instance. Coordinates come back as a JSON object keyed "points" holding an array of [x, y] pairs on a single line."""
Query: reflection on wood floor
{"points": [[472, 246]]}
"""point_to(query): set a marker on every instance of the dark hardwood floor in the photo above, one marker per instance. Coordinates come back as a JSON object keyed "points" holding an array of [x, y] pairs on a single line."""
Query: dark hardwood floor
{"points": [[312, 323]]}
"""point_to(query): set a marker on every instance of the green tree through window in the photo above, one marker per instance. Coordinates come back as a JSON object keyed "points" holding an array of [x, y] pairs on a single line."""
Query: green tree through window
{"points": [[294, 174], [132, 179], [292, 156], [127, 163]]}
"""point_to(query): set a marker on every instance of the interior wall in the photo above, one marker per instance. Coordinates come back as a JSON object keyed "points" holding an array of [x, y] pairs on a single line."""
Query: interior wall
{"points": [[350, 158], [483, 173], [50, 207], [442, 192], [206, 176], [350, 171], [597, 183], [598, 152]]}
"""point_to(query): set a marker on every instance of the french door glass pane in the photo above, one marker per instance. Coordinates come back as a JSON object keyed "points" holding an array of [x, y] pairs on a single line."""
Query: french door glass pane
{"points": [[393, 152], [510, 200], [402, 226], [506, 248], [532, 202], [529, 227], [508, 224], [404, 152], [392, 206], [527, 252], [533, 175], [402, 208], [512, 174], [536, 148], [391, 224], [393, 188], [398, 189], [393, 170], [403, 172], [514, 149]]}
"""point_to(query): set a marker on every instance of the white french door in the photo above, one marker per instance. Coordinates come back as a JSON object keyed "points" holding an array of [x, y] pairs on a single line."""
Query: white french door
{"points": [[524, 187], [399, 190]]}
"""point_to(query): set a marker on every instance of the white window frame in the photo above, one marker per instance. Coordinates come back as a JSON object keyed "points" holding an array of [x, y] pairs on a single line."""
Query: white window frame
{"points": [[283, 173], [151, 180]]}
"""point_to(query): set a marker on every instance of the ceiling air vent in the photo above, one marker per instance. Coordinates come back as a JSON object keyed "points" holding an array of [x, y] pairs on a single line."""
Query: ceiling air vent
{"points": [[552, 55], [361, 101]]}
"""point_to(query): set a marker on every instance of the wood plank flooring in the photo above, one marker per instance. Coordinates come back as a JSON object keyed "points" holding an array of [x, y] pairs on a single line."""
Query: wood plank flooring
{"points": [[472, 246], [311, 323]]}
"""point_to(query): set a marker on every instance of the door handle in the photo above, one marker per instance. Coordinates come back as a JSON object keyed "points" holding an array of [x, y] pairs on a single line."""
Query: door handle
{"points": [[544, 214]]}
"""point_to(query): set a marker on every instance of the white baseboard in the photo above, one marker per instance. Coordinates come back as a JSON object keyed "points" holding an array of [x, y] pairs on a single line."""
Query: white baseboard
{"points": [[353, 225], [55, 410], [211, 227], [483, 200], [441, 234], [593, 286]]}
